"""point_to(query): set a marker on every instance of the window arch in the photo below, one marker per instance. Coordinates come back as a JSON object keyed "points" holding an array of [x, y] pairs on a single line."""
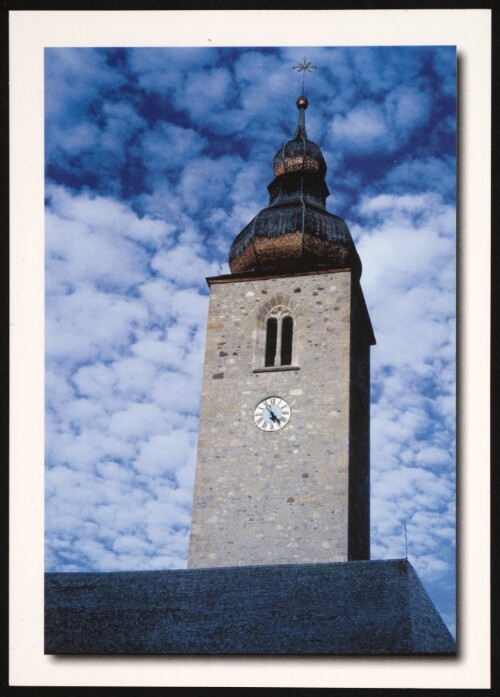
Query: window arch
{"points": [[277, 333], [279, 337]]}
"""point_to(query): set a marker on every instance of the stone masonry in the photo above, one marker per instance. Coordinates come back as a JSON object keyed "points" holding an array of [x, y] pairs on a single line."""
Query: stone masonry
{"points": [[281, 497]]}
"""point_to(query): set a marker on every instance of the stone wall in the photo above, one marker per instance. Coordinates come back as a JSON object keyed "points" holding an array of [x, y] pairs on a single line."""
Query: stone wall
{"points": [[281, 497]]}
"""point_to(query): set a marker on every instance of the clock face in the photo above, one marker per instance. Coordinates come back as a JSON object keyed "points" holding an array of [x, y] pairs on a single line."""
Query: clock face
{"points": [[272, 414]]}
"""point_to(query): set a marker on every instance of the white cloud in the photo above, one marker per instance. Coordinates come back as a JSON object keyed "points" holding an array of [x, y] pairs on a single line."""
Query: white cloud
{"points": [[138, 420], [183, 266], [75, 78], [206, 95], [408, 107], [124, 356], [121, 123], [165, 453], [382, 126], [206, 182], [429, 174], [152, 67], [105, 217], [88, 324], [407, 244], [363, 129], [169, 147]]}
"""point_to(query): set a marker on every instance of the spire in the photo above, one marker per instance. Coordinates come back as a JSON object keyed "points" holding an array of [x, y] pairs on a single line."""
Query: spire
{"points": [[302, 105]]}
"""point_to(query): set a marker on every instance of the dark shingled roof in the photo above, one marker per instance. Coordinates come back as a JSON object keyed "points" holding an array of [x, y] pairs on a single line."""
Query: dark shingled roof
{"points": [[359, 607], [279, 219], [299, 148]]}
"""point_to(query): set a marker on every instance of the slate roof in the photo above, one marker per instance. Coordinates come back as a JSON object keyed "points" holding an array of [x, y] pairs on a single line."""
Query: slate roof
{"points": [[359, 607]]}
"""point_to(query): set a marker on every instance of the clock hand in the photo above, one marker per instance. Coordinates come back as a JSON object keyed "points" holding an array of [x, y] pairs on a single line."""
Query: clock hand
{"points": [[274, 418]]}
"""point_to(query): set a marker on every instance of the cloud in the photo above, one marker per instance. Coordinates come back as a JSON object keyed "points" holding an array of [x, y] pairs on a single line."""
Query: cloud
{"points": [[407, 244], [408, 107], [362, 129], [421, 175], [378, 73], [74, 78], [206, 95], [205, 182], [164, 453], [167, 147], [372, 126], [183, 267], [125, 332], [163, 69], [90, 131], [445, 65]]}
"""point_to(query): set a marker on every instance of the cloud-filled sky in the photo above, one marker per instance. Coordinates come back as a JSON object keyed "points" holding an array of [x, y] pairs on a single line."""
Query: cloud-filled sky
{"points": [[155, 160]]}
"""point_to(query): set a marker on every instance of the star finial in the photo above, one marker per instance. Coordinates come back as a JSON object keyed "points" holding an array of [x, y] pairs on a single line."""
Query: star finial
{"points": [[304, 67]]}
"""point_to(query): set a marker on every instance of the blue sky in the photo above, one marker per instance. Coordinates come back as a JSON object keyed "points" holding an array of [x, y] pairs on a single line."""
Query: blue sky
{"points": [[155, 160]]}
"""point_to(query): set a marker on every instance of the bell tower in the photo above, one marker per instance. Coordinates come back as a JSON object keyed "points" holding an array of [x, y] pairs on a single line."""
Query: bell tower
{"points": [[282, 473]]}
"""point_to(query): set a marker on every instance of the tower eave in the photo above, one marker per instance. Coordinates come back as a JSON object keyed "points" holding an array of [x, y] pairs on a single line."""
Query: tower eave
{"points": [[263, 274]]}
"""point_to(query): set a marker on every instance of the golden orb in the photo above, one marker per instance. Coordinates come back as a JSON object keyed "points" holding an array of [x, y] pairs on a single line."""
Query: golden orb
{"points": [[302, 103]]}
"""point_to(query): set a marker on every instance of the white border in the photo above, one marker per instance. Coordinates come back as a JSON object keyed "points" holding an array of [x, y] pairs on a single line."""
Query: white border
{"points": [[30, 32]]}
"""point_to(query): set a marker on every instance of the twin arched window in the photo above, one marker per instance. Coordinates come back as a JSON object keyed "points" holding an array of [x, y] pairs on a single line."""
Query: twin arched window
{"points": [[279, 340]]}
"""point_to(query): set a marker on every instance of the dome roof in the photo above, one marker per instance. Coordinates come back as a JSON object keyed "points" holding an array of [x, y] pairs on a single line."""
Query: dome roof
{"points": [[295, 232], [299, 154]]}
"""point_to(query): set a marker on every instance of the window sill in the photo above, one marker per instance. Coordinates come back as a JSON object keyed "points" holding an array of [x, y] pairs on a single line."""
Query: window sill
{"points": [[276, 368]]}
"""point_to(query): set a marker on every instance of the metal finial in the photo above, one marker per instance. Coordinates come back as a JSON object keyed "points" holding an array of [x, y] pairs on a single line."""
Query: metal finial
{"points": [[304, 67]]}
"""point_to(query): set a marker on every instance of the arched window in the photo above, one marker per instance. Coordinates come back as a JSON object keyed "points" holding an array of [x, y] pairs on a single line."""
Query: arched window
{"points": [[271, 336], [279, 338], [277, 334], [286, 340]]}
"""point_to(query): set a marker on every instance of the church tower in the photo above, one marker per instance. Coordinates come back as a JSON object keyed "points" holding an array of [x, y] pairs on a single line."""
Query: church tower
{"points": [[282, 473]]}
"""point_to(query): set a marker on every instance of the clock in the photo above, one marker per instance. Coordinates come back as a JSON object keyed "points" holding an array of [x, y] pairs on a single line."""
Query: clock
{"points": [[271, 414]]}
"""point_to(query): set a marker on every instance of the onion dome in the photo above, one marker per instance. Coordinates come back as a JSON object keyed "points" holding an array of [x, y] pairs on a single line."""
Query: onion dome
{"points": [[295, 232], [299, 154]]}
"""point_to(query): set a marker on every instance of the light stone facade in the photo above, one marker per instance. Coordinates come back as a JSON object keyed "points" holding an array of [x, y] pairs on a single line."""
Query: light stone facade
{"points": [[281, 497]]}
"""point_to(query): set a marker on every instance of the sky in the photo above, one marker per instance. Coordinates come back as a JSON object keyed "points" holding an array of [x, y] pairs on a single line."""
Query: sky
{"points": [[155, 160]]}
